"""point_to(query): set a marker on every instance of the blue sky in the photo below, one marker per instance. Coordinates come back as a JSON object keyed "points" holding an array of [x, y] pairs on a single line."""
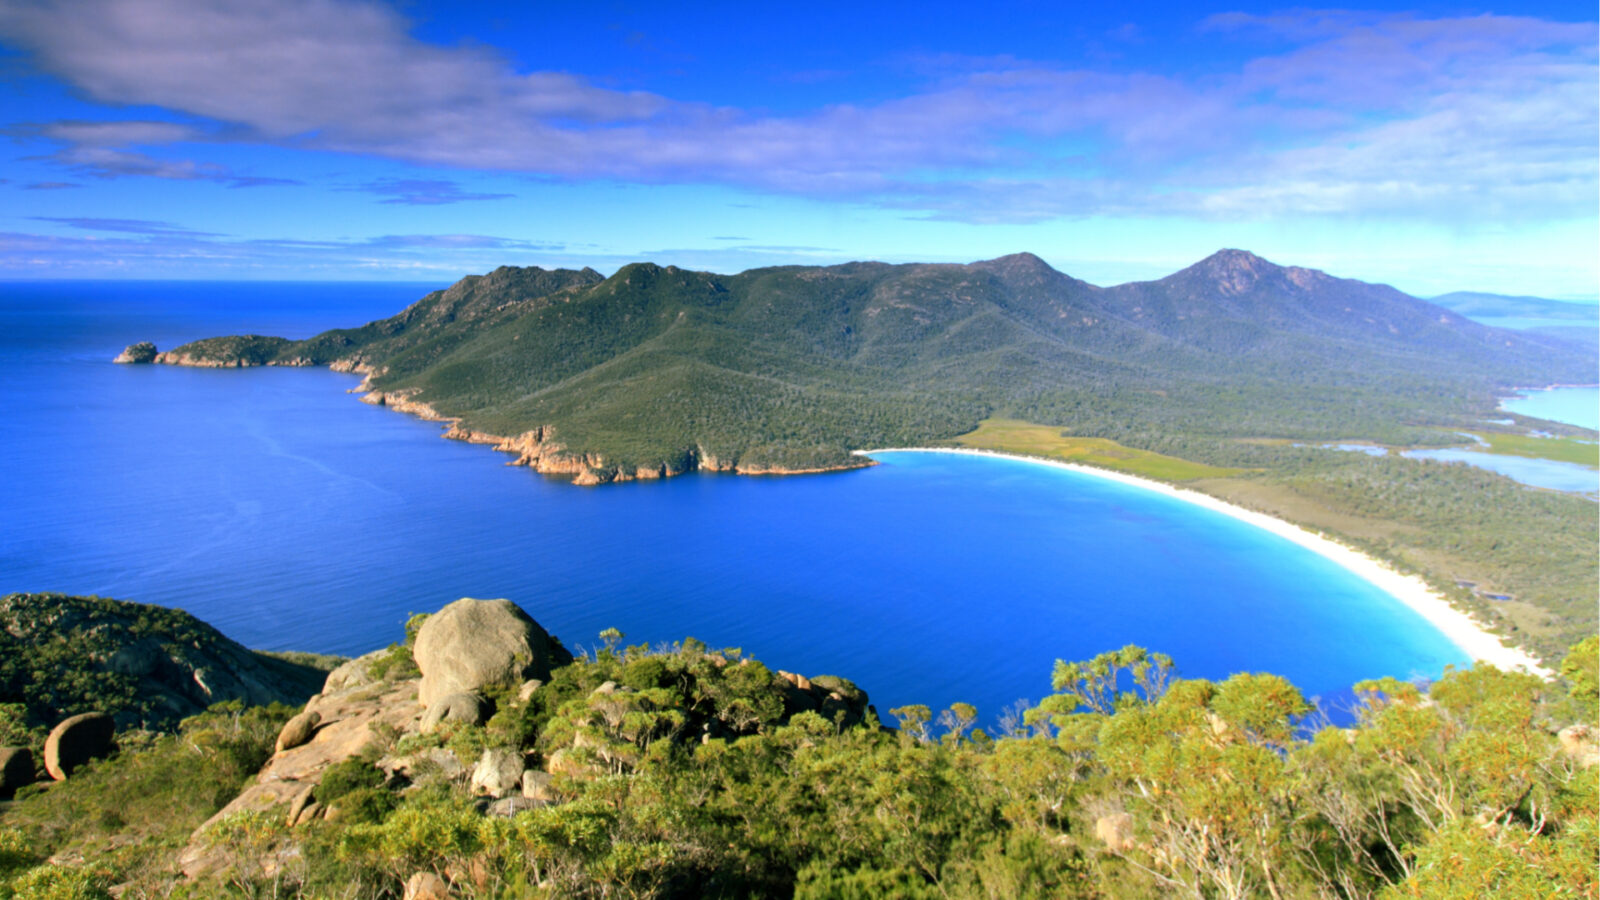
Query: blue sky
{"points": [[1433, 147]]}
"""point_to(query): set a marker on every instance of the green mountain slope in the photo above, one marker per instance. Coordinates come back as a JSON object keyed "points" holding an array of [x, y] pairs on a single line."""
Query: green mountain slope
{"points": [[660, 369]]}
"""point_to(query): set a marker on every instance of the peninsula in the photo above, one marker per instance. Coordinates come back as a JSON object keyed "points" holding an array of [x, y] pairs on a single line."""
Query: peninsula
{"points": [[1223, 377]]}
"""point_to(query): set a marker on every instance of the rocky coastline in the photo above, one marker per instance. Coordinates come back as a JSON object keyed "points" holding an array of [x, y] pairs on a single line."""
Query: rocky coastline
{"points": [[537, 449]]}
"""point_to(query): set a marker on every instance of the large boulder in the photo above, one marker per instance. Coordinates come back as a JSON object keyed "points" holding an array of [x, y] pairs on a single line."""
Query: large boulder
{"points": [[298, 730], [498, 773], [468, 709], [16, 769], [76, 741], [473, 644]]}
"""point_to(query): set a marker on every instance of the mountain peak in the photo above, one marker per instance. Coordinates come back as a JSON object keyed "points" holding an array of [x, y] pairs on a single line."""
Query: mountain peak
{"points": [[1229, 271], [1015, 266], [1230, 260]]}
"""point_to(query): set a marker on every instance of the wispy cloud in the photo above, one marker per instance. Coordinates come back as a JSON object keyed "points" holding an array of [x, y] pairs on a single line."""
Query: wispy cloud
{"points": [[1336, 113], [50, 186], [148, 247], [126, 226], [107, 150], [420, 192]]}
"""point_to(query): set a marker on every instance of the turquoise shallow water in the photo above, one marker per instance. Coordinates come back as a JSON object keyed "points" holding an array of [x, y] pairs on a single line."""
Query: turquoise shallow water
{"points": [[272, 504]]}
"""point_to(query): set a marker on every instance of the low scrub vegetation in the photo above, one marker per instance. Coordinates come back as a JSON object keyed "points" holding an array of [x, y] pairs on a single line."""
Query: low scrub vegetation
{"points": [[679, 772]]}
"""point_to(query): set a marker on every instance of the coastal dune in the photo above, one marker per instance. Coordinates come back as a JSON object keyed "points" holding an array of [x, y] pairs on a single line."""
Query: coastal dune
{"points": [[1466, 632]]}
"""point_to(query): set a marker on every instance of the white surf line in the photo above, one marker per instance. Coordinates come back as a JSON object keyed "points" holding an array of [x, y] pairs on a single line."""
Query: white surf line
{"points": [[1466, 632]]}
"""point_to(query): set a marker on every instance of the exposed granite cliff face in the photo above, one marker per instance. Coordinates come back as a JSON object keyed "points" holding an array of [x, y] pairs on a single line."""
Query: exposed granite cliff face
{"points": [[538, 449]]}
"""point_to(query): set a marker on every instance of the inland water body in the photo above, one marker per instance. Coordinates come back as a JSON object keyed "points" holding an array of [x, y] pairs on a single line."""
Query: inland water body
{"points": [[272, 504]]}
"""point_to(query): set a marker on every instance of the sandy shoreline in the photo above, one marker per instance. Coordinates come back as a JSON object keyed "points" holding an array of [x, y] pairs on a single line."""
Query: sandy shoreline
{"points": [[1467, 633]]}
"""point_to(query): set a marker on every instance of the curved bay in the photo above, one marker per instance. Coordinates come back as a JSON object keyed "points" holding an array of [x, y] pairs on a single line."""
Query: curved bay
{"points": [[273, 505]]}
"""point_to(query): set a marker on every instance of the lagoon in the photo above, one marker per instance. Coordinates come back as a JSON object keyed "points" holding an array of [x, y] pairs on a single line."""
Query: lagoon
{"points": [[273, 505], [1544, 473]]}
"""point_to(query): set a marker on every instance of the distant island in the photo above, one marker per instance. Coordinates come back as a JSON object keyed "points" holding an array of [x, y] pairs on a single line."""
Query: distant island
{"points": [[1473, 303], [1229, 377]]}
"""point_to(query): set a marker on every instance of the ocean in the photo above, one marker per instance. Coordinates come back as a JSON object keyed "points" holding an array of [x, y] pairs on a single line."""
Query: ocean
{"points": [[272, 504]]}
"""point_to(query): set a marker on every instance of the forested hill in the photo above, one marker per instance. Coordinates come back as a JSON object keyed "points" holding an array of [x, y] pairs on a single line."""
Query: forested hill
{"points": [[658, 369]]}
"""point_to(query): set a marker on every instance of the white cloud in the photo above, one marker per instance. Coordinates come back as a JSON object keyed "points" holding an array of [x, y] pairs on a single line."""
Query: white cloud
{"points": [[1350, 113]]}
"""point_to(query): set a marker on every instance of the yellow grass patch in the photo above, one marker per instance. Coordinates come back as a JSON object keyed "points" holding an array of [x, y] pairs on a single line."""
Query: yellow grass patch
{"points": [[1026, 438]]}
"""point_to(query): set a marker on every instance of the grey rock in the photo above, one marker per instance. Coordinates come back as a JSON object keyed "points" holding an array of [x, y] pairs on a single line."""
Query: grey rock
{"points": [[536, 786], [510, 806], [413, 766], [469, 709], [473, 644], [498, 773], [528, 689], [352, 674]]}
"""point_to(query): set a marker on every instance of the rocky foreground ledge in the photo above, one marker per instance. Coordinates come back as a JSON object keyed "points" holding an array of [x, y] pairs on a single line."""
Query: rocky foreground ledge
{"points": [[407, 713]]}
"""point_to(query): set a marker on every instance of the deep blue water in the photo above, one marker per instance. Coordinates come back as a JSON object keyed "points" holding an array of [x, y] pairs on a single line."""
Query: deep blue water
{"points": [[273, 505]]}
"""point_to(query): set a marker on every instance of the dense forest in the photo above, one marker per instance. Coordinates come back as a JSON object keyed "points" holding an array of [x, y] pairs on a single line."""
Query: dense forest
{"points": [[1233, 363], [802, 364], [682, 771]]}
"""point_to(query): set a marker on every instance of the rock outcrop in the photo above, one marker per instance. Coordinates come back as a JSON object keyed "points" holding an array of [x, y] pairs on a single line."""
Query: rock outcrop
{"points": [[498, 773], [836, 699], [473, 644], [77, 740], [298, 730], [463, 709], [140, 353], [352, 720]]}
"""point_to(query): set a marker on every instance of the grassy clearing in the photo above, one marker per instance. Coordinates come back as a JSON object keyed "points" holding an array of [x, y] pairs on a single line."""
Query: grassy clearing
{"points": [[1559, 449], [1015, 436]]}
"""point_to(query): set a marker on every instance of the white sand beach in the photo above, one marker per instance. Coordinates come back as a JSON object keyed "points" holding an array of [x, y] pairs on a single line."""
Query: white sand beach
{"points": [[1462, 629]]}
